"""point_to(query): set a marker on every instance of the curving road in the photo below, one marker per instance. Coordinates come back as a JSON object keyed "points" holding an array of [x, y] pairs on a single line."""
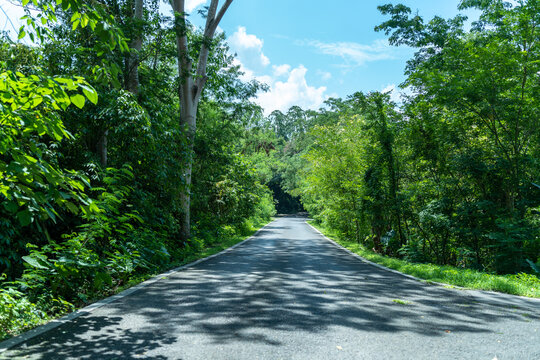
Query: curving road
{"points": [[290, 294]]}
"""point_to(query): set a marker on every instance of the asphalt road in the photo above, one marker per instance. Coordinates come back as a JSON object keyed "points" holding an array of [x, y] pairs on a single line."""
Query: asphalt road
{"points": [[291, 294]]}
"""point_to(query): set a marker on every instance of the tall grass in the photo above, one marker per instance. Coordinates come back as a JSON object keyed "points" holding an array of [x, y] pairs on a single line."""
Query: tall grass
{"points": [[519, 284]]}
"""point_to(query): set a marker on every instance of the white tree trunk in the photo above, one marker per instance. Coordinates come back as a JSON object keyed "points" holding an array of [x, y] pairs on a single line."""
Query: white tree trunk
{"points": [[190, 90]]}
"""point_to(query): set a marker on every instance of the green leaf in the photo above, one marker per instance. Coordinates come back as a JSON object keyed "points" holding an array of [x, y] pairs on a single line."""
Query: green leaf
{"points": [[33, 262], [30, 158], [90, 93], [11, 206], [36, 101], [72, 207], [84, 20], [25, 217], [51, 214], [101, 279], [533, 266], [77, 100], [68, 82], [75, 16]]}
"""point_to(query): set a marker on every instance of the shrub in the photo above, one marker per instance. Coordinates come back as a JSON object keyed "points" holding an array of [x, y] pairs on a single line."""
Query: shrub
{"points": [[17, 313]]}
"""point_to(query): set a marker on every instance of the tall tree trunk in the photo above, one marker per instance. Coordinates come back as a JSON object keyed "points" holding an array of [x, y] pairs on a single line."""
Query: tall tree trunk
{"points": [[102, 149], [190, 89], [132, 76], [188, 120]]}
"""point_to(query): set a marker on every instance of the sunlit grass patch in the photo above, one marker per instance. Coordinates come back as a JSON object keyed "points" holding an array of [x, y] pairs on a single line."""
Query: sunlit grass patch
{"points": [[520, 284], [402, 302]]}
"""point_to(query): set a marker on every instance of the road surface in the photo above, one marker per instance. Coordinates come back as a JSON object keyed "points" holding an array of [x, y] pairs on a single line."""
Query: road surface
{"points": [[290, 294]]}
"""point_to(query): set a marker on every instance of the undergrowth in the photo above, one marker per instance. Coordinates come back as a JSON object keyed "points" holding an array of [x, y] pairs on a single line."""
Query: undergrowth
{"points": [[20, 312], [518, 284]]}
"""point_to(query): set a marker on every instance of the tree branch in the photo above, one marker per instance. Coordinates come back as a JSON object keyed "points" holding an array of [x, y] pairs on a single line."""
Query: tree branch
{"points": [[212, 22], [220, 14], [181, 35]]}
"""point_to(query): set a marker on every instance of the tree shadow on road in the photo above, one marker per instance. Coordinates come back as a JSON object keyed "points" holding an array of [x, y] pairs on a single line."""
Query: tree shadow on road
{"points": [[299, 287], [253, 295], [94, 337]]}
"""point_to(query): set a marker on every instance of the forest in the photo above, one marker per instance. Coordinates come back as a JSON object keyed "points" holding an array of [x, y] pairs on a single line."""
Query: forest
{"points": [[130, 143]]}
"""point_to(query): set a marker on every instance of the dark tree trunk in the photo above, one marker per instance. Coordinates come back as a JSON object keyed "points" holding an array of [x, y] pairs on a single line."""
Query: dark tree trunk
{"points": [[132, 76]]}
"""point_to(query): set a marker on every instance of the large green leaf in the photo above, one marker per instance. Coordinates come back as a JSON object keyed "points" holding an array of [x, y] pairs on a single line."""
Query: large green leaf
{"points": [[33, 262], [90, 93], [77, 100]]}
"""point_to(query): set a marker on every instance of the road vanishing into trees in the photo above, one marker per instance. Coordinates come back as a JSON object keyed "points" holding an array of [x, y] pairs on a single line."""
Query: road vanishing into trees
{"points": [[288, 293]]}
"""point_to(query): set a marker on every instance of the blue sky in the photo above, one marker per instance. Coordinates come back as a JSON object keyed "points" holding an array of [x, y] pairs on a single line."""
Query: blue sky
{"points": [[309, 50]]}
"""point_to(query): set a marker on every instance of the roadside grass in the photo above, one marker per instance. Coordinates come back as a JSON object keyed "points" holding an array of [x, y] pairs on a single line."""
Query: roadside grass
{"points": [[520, 284], [402, 302], [209, 250], [18, 315]]}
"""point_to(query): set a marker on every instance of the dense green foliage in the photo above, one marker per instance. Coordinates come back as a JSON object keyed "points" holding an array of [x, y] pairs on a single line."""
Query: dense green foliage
{"points": [[90, 168], [93, 155], [522, 284], [449, 178]]}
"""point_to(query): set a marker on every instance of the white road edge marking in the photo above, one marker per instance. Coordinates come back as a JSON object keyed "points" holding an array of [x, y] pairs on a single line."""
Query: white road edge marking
{"points": [[30, 334], [427, 282], [370, 262]]}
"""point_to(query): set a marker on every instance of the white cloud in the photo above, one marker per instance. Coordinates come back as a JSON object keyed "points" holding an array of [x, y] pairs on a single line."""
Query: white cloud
{"points": [[295, 91], [281, 95], [244, 40], [248, 48], [281, 70], [287, 86], [355, 54], [396, 93], [193, 4], [324, 75], [250, 74]]}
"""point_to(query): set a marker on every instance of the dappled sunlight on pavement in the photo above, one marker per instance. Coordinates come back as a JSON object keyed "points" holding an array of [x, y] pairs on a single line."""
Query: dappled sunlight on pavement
{"points": [[289, 293]]}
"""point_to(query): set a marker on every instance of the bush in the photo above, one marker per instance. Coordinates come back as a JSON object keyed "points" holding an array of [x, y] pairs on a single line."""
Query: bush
{"points": [[17, 313], [412, 252]]}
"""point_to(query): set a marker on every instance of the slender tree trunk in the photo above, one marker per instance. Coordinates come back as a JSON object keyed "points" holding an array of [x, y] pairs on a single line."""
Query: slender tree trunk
{"points": [[102, 149], [188, 120], [132, 80], [356, 223], [190, 90]]}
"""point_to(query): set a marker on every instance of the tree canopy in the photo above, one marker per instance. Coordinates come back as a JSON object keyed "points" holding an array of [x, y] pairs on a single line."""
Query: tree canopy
{"points": [[130, 141]]}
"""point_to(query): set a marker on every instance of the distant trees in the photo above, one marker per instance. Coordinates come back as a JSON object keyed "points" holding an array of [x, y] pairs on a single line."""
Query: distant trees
{"points": [[449, 177]]}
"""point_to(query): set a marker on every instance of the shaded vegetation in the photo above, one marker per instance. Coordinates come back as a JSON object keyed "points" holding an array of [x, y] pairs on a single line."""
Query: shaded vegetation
{"points": [[517, 284], [92, 157], [95, 148]]}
